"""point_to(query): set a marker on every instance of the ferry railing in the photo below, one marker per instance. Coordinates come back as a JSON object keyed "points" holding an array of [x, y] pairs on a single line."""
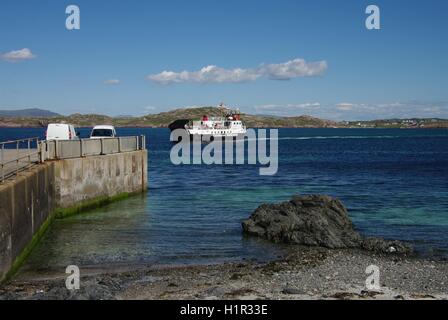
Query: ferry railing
{"points": [[18, 155]]}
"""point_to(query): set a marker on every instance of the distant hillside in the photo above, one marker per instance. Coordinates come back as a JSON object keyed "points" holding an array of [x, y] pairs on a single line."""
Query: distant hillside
{"points": [[27, 113], [399, 123], [253, 121], [163, 119]]}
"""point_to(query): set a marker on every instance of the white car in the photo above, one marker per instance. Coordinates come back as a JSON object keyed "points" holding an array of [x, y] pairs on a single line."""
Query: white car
{"points": [[60, 131], [99, 132]]}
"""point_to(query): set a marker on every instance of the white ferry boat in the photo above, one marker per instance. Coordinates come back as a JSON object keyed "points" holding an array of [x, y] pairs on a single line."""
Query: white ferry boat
{"points": [[210, 128]]}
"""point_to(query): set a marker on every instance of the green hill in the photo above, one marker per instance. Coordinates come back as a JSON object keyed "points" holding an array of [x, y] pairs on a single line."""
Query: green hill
{"points": [[31, 112], [163, 119]]}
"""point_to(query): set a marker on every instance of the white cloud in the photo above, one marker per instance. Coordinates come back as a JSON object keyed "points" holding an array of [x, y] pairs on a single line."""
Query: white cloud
{"points": [[112, 82], [192, 106], [432, 109], [214, 74], [18, 55], [293, 69], [308, 105], [344, 106], [209, 74]]}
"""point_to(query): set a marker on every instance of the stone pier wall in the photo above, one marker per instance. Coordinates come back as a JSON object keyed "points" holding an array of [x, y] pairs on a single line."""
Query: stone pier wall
{"points": [[29, 202]]}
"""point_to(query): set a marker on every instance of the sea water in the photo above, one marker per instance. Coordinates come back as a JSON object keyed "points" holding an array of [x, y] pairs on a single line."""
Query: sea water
{"points": [[394, 183]]}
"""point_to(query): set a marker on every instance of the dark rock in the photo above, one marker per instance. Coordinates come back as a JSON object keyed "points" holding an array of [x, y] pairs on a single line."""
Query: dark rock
{"points": [[292, 291], [422, 296], [369, 293], [103, 289], [236, 276], [55, 293], [314, 220], [386, 246], [309, 220], [240, 292], [344, 295], [215, 291]]}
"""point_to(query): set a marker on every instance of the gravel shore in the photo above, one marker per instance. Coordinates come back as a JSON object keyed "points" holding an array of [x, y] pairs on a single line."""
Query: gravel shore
{"points": [[308, 273]]}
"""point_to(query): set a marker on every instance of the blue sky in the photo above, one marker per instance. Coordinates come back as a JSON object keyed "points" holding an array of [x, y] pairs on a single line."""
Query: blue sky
{"points": [[270, 57]]}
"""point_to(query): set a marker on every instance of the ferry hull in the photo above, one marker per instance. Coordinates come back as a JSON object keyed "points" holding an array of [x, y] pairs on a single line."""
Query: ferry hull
{"points": [[209, 137]]}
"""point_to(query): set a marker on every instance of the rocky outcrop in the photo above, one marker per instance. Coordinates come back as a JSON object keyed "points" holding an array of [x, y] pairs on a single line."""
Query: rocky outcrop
{"points": [[386, 246], [314, 220]]}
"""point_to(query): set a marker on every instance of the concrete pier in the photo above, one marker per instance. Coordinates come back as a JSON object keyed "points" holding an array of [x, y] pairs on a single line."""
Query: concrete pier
{"points": [[13, 165], [82, 180], [54, 188]]}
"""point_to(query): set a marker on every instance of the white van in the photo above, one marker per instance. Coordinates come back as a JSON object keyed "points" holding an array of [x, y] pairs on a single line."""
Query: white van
{"points": [[60, 131], [99, 132]]}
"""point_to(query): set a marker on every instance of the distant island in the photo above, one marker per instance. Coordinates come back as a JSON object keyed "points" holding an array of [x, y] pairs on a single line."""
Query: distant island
{"points": [[40, 118], [28, 113]]}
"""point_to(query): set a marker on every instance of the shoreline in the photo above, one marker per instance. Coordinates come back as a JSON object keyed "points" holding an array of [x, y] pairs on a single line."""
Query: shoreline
{"points": [[306, 273], [259, 127]]}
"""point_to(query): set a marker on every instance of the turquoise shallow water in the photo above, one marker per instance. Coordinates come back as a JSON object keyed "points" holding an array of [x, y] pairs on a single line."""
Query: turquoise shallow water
{"points": [[394, 183]]}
